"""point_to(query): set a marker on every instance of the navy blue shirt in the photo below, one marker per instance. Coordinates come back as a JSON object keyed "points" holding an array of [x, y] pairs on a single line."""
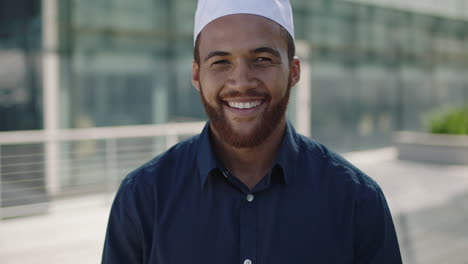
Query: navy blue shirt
{"points": [[312, 207]]}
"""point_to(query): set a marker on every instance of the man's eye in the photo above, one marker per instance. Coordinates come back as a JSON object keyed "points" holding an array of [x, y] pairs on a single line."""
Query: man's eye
{"points": [[220, 62], [263, 59]]}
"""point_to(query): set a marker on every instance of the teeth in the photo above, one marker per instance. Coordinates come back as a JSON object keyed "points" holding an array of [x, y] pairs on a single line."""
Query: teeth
{"points": [[246, 105]]}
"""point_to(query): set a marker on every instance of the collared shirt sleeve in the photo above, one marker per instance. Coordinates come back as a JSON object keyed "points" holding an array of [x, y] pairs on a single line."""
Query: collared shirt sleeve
{"points": [[376, 239], [123, 243]]}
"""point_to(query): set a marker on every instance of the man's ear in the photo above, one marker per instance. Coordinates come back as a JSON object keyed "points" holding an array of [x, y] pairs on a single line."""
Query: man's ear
{"points": [[295, 71], [196, 75]]}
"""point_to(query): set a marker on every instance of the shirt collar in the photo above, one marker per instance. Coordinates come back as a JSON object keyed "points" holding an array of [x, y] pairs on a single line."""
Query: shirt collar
{"points": [[206, 158], [288, 152], [286, 156]]}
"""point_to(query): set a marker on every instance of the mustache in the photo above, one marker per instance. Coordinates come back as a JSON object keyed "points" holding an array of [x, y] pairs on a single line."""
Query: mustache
{"points": [[248, 93]]}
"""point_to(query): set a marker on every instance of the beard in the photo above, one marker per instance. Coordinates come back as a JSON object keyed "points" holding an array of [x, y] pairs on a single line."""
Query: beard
{"points": [[269, 121]]}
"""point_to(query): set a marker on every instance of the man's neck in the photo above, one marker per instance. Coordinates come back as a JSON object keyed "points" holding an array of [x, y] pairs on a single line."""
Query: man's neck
{"points": [[250, 165]]}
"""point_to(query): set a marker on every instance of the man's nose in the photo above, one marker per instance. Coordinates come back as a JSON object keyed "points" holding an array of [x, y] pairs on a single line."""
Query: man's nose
{"points": [[242, 77]]}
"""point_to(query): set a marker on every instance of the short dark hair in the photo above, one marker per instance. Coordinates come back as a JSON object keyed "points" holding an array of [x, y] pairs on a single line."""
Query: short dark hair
{"points": [[289, 42]]}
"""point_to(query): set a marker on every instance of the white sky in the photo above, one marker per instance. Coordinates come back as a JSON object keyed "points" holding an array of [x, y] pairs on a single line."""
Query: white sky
{"points": [[451, 8]]}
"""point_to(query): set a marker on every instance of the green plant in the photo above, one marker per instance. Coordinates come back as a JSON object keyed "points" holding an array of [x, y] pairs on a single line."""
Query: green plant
{"points": [[450, 121]]}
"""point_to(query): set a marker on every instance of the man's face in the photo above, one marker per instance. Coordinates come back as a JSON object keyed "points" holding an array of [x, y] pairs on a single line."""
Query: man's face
{"points": [[244, 77]]}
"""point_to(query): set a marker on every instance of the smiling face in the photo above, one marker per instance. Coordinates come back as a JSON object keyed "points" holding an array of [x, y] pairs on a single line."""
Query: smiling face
{"points": [[244, 78]]}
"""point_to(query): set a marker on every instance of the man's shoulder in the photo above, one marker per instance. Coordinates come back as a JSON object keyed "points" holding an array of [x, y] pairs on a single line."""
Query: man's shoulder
{"points": [[177, 157], [333, 165]]}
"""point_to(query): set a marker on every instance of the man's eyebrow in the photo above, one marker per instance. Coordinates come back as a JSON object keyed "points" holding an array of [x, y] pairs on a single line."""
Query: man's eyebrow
{"points": [[267, 50], [216, 53]]}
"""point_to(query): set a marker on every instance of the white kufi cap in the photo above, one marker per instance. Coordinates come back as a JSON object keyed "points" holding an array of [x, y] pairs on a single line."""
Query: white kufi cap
{"points": [[277, 10]]}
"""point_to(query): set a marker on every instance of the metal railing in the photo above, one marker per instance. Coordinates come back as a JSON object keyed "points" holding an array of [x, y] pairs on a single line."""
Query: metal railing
{"points": [[36, 166]]}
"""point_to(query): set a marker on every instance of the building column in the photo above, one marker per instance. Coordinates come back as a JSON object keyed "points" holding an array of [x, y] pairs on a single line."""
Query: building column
{"points": [[50, 60], [304, 90]]}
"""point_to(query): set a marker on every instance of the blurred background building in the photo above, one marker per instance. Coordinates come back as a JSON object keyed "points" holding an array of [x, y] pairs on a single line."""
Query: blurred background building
{"points": [[375, 65], [91, 89]]}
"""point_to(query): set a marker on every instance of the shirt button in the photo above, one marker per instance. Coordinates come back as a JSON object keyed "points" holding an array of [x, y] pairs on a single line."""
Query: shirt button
{"points": [[225, 174], [250, 197], [247, 261]]}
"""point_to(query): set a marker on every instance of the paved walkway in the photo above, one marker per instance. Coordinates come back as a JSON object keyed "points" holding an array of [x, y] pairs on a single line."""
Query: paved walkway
{"points": [[429, 204], [71, 233]]}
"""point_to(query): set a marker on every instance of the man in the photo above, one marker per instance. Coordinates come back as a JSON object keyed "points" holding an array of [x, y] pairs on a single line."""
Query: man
{"points": [[248, 189]]}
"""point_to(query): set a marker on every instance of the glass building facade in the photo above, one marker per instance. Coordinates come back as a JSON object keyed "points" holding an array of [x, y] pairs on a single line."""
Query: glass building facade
{"points": [[127, 62], [20, 73], [379, 69], [374, 69]]}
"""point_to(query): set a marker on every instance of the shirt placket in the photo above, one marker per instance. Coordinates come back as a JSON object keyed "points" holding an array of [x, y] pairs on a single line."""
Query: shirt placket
{"points": [[248, 230]]}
